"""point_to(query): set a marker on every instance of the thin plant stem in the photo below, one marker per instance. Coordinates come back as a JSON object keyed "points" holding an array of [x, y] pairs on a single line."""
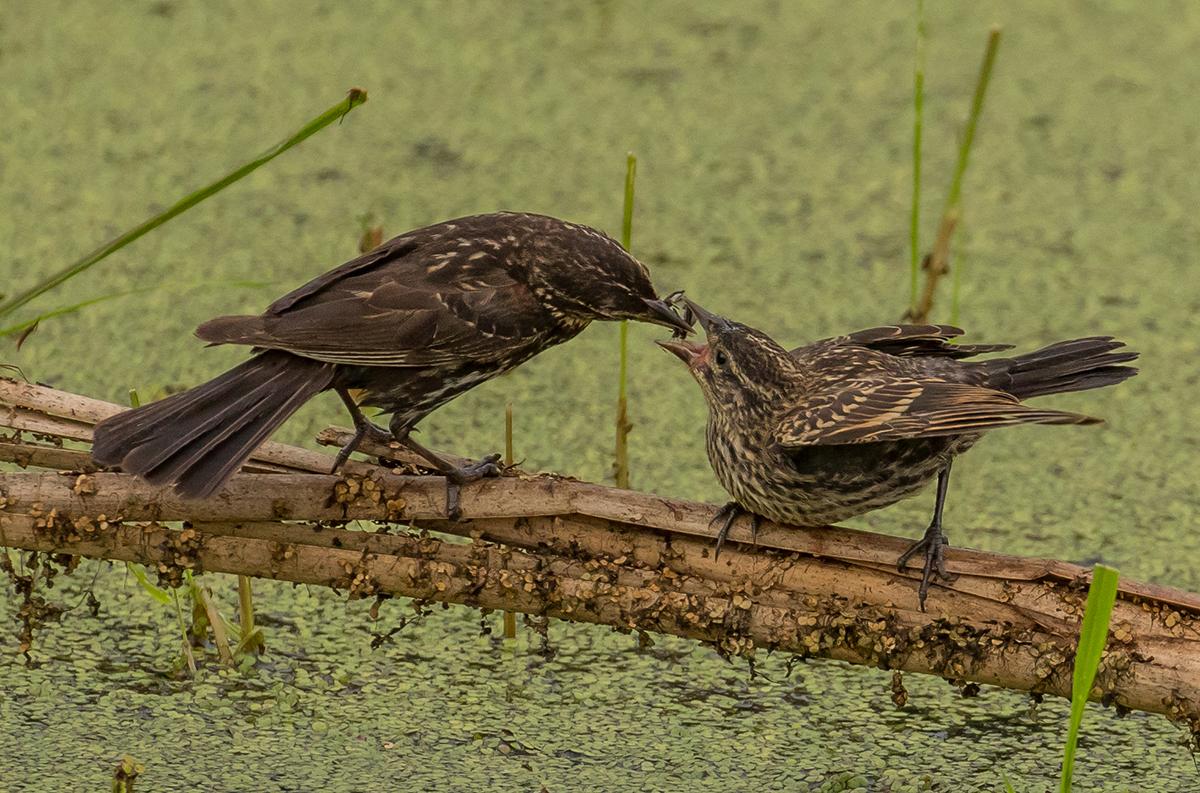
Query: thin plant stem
{"points": [[510, 617], [356, 97], [183, 632], [964, 152], [139, 574], [21, 327], [964, 148], [217, 624], [509, 457], [621, 457], [960, 263], [251, 637], [1093, 635], [27, 325], [937, 263], [918, 116]]}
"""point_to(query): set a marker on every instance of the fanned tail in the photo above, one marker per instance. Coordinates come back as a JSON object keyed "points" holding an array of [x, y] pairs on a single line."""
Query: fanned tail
{"points": [[197, 439], [1076, 365]]}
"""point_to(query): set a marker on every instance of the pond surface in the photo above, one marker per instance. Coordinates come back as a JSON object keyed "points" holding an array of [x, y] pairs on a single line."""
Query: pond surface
{"points": [[774, 144]]}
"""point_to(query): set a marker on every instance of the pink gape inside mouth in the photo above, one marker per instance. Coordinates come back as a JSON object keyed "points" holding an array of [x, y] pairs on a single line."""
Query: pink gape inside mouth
{"points": [[690, 352]]}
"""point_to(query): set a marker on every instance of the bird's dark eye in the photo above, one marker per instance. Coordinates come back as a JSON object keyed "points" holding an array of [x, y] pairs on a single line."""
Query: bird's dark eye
{"points": [[721, 358]]}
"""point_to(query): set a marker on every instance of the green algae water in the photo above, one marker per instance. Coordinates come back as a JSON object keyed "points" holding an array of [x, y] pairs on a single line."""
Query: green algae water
{"points": [[774, 155]]}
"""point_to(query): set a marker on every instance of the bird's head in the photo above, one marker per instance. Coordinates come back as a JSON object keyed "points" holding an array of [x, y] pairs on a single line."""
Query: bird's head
{"points": [[585, 274], [737, 367]]}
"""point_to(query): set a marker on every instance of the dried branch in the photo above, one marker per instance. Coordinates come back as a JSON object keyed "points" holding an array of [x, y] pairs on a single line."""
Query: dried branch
{"points": [[935, 265], [1149, 670], [554, 546]]}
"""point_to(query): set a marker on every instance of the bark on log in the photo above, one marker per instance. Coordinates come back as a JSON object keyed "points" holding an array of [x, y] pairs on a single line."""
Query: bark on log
{"points": [[548, 545]]}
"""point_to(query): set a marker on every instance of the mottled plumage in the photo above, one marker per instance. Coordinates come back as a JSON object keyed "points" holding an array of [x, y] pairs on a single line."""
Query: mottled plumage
{"points": [[850, 424], [405, 328]]}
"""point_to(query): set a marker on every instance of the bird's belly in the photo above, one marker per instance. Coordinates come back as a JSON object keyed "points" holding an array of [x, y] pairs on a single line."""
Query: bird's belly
{"points": [[411, 393], [819, 485]]}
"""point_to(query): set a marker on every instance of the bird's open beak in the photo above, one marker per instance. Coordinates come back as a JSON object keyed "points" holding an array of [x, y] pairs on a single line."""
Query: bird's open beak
{"points": [[689, 352], [709, 321], [662, 314]]}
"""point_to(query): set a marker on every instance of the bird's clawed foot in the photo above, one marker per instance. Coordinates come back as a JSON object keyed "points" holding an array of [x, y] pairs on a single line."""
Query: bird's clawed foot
{"points": [[726, 516], [934, 546], [457, 477], [364, 430]]}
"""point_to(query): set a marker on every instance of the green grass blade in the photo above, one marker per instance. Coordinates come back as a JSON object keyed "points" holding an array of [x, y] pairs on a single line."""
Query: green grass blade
{"points": [[964, 148], [939, 259], [1093, 636], [918, 117], [155, 592], [964, 153], [21, 327], [621, 457], [960, 264], [355, 98], [626, 242]]}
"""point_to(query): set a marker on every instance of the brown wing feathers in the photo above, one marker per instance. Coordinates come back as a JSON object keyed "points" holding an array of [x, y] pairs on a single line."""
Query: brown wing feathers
{"points": [[916, 340], [397, 307], [894, 410]]}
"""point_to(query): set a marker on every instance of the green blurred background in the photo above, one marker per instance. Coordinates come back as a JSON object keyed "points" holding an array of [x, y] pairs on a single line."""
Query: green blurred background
{"points": [[774, 145]]}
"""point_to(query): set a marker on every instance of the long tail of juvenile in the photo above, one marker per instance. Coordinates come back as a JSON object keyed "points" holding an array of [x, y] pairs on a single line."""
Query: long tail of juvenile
{"points": [[197, 439], [1076, 365]]}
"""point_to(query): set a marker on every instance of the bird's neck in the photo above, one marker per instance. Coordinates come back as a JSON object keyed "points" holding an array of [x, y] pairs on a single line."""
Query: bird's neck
{"points": [[752, 413], [749, 419]]}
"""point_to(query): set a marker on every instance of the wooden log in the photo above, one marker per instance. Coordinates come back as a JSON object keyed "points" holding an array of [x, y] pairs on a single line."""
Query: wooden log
{"points": [[733, 619], [38, 408], [826, 591]]}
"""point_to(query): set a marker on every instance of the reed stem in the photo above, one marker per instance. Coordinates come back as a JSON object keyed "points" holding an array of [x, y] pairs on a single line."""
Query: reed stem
{"points": [[621, 455]]}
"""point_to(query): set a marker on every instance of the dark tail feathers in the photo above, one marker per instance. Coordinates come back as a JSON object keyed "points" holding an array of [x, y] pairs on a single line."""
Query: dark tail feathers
{"points": [[1075, 365], [197, 439]]}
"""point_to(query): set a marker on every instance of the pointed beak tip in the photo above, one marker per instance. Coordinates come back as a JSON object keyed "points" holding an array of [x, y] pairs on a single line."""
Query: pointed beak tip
{"points": [[708, 320], [662, 314]]}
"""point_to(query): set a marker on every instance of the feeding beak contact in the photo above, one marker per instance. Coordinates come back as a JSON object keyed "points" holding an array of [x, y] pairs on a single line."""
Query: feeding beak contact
{"points": [[663, 314], [708, 320], [690, 352]]}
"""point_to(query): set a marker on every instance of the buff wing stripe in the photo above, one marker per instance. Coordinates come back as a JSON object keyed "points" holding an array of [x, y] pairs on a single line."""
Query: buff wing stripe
{"points": [[870, 412]]}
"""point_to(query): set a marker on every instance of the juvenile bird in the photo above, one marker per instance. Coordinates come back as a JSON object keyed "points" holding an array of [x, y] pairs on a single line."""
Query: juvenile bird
{"points": [[406, 328], [850, 424]]}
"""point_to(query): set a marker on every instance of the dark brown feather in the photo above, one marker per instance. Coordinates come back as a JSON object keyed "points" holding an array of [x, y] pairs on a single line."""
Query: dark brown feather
{"points": [[420, 300], [919, 340], [406, 327]]}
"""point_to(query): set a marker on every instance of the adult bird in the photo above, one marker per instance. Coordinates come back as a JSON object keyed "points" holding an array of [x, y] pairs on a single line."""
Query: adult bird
{"points": [[405, 328], [850, 424]]}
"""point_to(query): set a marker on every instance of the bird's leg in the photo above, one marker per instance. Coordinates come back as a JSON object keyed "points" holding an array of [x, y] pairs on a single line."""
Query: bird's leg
{"points": [[456, 476], [363, 428], [726, 516], [933, 543]]}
